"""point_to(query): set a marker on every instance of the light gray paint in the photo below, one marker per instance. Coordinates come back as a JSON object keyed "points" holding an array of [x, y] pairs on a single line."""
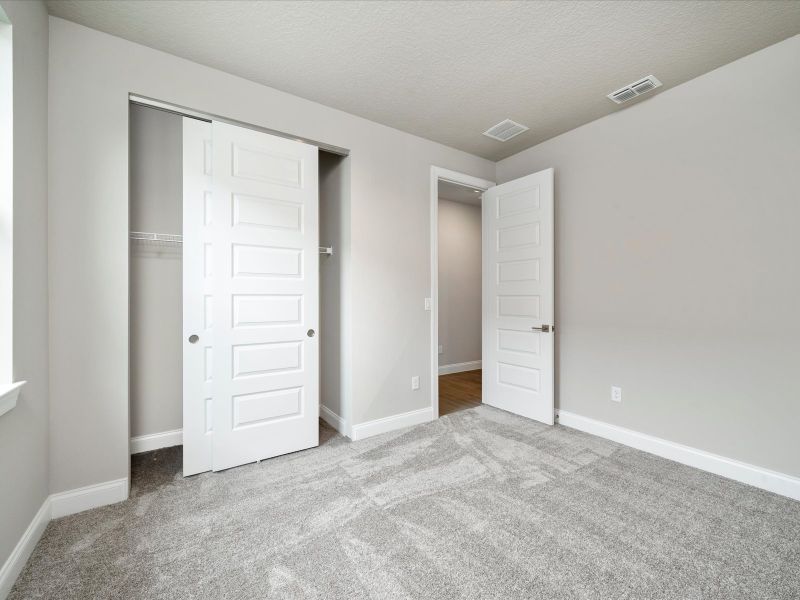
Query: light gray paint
{"points": [[459, 282], [677, 271], [450, 70], [334, 202], [385, 272], [23, 431], [156, 284]]}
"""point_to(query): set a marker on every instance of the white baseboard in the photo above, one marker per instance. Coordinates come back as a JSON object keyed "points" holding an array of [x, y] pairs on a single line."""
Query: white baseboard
{"points": [[55, 506], [459, 367], [154, 441], [91, 496], [779, 483], [22, 551], [378, 426], [332, 419]]}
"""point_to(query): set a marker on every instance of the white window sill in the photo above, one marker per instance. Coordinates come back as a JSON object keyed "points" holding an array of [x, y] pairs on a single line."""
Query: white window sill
{"points": [[8, 396]]}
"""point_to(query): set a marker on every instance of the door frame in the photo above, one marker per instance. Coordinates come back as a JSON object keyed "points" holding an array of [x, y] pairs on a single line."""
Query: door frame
{"points": [[438, 173]]}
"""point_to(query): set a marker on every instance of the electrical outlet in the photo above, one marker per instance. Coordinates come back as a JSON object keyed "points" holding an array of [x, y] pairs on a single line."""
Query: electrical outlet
{"points": [[428, 303], [415, 382], [441, 349], [616, 393]]}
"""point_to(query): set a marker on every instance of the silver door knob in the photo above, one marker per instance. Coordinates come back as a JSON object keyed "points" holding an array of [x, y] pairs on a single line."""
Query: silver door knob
{"points": [[544, 328], [310, 333], [193, 339]]}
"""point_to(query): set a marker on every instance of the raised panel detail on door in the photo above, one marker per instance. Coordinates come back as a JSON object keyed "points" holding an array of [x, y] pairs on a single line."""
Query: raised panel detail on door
{"points": [[518, 306], [209, 417], [267, 407], [265, 261], [516, 236], [254, 310], [266, 270], [267, 212], [270, 167], [518, 341], [518, 376], [517, 202], [208, 311], [518, 264], [518, 270], [208, 260], [261, 359], [209, 363]]}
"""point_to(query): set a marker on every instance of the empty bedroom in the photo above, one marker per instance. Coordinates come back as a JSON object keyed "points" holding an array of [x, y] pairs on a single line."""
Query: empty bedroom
{"points": [[399, 299]]}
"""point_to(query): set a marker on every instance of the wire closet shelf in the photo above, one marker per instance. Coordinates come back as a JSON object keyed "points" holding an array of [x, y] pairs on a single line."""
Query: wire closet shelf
{"points": [[157, 239], [176, 241]]}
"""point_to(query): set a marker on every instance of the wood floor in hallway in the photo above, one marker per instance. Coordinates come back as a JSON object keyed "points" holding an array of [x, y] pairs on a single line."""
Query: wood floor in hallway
{"points": [[458, 391]]}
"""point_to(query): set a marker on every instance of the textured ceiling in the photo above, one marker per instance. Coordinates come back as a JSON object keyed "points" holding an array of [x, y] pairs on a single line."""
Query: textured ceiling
{"points": [[458, 193], [449, 70]]}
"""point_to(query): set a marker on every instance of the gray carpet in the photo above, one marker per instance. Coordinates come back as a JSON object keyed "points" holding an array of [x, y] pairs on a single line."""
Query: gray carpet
{"points": [[479, 504]]}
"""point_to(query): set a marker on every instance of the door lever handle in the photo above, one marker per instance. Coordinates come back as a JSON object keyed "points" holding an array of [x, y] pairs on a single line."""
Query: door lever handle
{"points": [[545, 328]]}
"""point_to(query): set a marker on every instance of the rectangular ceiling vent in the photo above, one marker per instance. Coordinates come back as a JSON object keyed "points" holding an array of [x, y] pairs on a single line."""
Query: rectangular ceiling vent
{"points": [[629, 92], [505, 130]]}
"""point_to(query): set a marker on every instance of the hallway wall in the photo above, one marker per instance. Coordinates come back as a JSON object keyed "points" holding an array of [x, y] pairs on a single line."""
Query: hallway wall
{"points": [[459, 282]]}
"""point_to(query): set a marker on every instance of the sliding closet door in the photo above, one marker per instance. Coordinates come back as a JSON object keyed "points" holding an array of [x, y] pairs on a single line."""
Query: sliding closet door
{"points": [[264, 243], [198, 289]]}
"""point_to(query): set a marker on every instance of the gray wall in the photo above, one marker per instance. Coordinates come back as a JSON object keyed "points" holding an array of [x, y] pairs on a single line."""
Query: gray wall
{"points": [[385, 271], [23, 431], [334, 194], [459, 282], [156, 305], [677, 261]]}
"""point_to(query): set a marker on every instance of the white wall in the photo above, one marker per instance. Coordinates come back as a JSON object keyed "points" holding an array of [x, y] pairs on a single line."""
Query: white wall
{"points": [[156, 272], [23, 430], [677, 261], [386, 331], [459, 282]]}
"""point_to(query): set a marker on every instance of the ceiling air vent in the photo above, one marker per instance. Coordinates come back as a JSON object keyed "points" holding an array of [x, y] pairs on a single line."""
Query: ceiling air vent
{"points": [[629, 92], [505, 130]]}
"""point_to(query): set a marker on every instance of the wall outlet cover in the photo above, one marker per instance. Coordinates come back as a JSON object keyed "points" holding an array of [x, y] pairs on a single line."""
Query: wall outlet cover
{"points": [[415, 382], [616, 393], [428, 304]]}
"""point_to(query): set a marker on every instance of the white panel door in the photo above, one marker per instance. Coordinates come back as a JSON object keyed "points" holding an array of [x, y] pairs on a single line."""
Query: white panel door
{"points": [[518, 286], [197, 297], [265, 249]]}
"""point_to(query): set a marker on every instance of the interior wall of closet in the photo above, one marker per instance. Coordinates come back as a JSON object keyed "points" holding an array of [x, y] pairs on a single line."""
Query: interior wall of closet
{"points": [[156, 309], [334, 215], [156, 302]]}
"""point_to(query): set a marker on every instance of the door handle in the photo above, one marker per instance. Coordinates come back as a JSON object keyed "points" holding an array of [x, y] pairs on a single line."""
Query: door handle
{"points": [[310, 333], [545, 328], [193, 339]]}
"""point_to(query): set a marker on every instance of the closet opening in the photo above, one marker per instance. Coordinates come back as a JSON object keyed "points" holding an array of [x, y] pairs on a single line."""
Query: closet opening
{"points": [[236, 244], [156, 272]]}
